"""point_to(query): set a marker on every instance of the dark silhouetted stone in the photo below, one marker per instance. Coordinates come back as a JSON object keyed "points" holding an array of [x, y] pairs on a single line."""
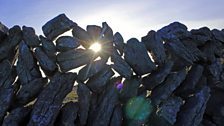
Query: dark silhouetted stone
{"points": [[6, 96], [29, 36], [158, 76], [130, 88], [3, 32], [117, 116], [94, 31], [98, 82], [192, 111], [192, 78], [108, 32], [65, 43], [137, 57], [178, 49], [8, 46], [84, 96], [219, 35], [207, 123], [214, 108], [169, 108], [82, 35], [48, 47], [67, 115], [154, 44], [106, 40], [57, 26], [119, 42], [212, 49], [91, 69], [7, 74], [120, 65], [106, 106], [202, 35], [7, 78], [175, 29], [30, 91], [45, 62], [49, 102], [198, 54], [142, 91], [17, 117], [163, 91], [94, 103], [26, 68], [74, 58], [215, 69]]}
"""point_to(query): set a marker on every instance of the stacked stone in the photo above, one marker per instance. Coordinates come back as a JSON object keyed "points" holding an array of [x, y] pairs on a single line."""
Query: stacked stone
{"points": [[172, 77]]}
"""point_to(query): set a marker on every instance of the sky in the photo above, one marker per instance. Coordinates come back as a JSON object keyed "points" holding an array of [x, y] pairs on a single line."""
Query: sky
{"points": [[132, 18]]}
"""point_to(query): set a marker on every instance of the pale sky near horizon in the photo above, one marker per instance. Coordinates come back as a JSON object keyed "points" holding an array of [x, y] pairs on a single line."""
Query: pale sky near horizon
{"points": [[132, 18]]}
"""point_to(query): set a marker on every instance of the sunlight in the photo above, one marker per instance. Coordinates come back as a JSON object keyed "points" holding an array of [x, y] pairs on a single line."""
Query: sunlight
{"points": [[96, 47]]}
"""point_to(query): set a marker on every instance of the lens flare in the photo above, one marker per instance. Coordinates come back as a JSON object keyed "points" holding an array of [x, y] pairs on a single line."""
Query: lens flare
{"points": [[96, 47], [138, 108], [119, 85]]}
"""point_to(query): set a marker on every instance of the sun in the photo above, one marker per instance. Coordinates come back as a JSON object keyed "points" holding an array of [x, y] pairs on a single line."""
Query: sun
{"points": [[96, 47]]}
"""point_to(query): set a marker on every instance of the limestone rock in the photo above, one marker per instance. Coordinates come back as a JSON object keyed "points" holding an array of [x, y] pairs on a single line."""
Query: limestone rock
{"points": [[137, 57], [57, 26]]}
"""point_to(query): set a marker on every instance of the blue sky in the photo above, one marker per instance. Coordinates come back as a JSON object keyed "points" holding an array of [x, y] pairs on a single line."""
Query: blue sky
{"points": [[132, 18]]}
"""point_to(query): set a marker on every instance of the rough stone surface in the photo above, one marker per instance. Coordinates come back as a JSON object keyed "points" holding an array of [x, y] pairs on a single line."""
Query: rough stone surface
{"points": [[45, 62], [74, 58], [169, 109], [30, 37], [175, 29], [30, 91], [26, 68], [68, 114], [219, 35], [91, 69], [82, 35], [6, 96], [105, 109], [192, 111], [17, 117], [3, 31], [158, 76], [49, 48], [154, 44], [84, 102], [119, 42], [178, 49], [120, 65], [117, 116], [192, 78], [8, 46], [202, 35], [137, 57], [94, 31], [57, 26], [65, 43], [50, 99], [130, 88], [7, 74], [163, 91], [98, 82]]}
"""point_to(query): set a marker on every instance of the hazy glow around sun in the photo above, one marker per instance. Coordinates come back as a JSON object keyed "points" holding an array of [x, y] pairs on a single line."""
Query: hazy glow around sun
{"points": [[96, 47]]}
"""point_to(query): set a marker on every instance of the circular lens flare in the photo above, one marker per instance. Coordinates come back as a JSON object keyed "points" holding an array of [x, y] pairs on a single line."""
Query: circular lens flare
{"points": [[138, 108], [119, 85], [96, 47]]}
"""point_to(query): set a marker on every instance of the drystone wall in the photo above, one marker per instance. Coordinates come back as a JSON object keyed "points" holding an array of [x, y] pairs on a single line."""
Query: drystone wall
{"points": [[172, 77]]}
